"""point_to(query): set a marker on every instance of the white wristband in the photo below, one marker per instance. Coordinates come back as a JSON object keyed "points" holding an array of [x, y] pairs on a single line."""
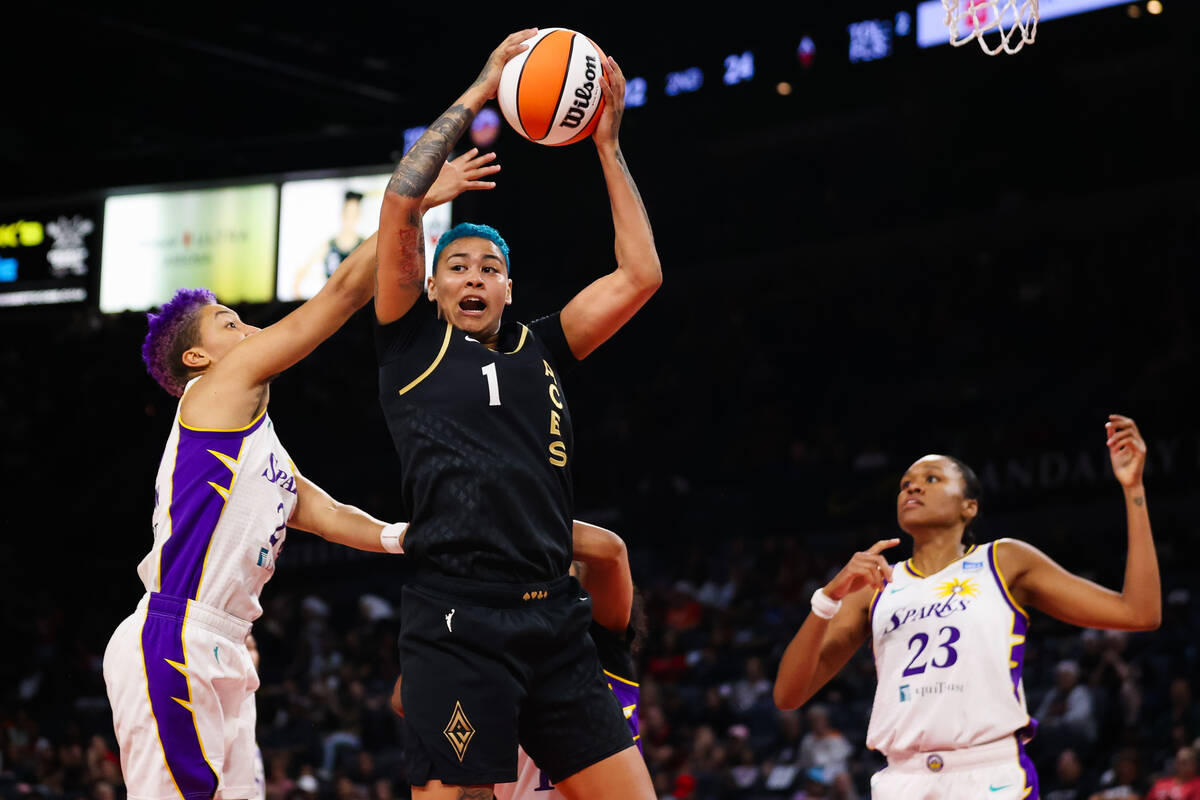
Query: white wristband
{"points": [[823, 605], [391, 536]]}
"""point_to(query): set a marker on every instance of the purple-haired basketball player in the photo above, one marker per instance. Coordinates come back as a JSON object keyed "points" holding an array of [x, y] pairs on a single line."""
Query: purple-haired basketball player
{"points": [[180, 679], [948, 626]]}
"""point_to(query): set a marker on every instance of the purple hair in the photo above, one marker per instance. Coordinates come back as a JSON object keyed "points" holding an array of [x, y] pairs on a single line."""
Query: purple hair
{"points": [[164, 344]]}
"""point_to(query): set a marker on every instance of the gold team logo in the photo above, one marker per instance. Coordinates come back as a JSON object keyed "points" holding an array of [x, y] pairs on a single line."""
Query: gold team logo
{"points": [[538, 595], [459, 731], [957, 588], [935, 763]]}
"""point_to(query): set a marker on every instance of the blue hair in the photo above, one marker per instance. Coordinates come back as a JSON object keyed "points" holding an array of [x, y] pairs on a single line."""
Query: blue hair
{"points": [[469, 229]]}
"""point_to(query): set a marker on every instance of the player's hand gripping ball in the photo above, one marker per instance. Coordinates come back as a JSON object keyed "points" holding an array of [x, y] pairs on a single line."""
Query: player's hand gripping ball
{"points": [[550, 94]]}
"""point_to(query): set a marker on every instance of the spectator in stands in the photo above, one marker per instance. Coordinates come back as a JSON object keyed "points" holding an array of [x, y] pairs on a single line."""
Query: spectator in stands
{"points": [[823, 747], [1181, 722], [1183, 783], [1069, 782], [1123, 780], [752, 688], [1065, 715]]}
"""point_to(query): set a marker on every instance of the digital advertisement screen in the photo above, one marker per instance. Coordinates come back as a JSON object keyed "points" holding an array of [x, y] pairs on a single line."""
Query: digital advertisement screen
{"points": [[322, 220], [222, 239], [47, 253]]}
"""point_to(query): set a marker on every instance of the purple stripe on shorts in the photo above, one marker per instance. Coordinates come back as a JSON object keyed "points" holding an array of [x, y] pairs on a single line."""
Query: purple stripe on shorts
{"points": [[162, 642], [1016, 656], [627, 695], [195, 508], [1031, 776]]}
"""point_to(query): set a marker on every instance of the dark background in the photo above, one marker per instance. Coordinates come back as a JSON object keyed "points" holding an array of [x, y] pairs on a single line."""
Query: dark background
{"points": [[935, 252]]}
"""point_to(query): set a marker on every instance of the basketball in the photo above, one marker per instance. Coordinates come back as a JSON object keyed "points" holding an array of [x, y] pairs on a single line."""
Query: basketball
{"points": [[550, 94]]}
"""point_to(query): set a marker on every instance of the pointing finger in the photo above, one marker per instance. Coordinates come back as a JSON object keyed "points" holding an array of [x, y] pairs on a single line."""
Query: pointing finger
{"points": [[883, 544]]}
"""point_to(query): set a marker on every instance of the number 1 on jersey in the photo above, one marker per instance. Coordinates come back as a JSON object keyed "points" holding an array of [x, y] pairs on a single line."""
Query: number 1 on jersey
{"points": [[493, 383]]}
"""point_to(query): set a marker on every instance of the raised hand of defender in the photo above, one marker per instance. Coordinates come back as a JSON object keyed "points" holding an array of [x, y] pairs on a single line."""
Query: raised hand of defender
{"points": [[1126, 449], [864, 569], [462, 175], [612, 85], [489, 79]]}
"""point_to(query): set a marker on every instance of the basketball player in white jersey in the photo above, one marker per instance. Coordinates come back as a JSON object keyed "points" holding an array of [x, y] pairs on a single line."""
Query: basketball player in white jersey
{"points": [[948, 629], [179, 675]]}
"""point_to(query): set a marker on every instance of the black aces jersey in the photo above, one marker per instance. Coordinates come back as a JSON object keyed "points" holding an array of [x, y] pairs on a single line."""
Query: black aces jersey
{"points": [[485, 445]]}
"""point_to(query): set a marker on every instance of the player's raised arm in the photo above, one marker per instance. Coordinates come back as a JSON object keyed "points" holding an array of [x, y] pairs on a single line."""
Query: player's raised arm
{"points": [[607, 578], [401, 272], [830, 635], [1035, 579], [600, 310], [232, 390]]}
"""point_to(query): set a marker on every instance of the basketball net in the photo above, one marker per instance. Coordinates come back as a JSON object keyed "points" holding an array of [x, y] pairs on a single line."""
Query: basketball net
{"points": [[1014, 22]]}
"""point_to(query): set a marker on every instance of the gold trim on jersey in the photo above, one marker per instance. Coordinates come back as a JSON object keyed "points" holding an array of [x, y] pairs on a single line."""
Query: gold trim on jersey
{"points": [[874, 601], [1004, 581], [253, 422], [436, 361], [626, 681], [521, 343], [908, 565]]}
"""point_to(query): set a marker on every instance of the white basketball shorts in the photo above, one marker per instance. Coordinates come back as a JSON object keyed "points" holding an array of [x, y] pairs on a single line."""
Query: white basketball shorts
{"points": [[996, 771], [181, 685]]}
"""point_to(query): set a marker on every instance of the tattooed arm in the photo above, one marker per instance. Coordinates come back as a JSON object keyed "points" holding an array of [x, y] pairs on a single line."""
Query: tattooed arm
{"points": [[1036, 580], [602, 308], [400, 277]]}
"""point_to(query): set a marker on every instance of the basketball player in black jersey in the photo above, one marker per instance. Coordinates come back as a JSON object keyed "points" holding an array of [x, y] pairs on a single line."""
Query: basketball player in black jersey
{"points": [[602, 567], [493, 643]]}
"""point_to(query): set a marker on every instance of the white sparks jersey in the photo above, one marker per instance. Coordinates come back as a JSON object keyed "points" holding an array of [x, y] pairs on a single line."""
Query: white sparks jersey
{"points": [[949, 649], [222, 499]]}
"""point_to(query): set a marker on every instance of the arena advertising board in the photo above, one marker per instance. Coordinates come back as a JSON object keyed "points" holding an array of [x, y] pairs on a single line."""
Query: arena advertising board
{"points": [[931, 16], [48, 252], [322, 219], [221, 238]]}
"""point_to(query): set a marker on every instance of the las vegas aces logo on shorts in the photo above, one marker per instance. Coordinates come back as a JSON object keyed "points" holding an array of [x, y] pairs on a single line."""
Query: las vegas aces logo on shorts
{"points": [[459, 731]]}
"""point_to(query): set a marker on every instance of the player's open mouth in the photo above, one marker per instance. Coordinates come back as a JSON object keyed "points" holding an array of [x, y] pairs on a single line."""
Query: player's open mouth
{"points": [[472, 305]]}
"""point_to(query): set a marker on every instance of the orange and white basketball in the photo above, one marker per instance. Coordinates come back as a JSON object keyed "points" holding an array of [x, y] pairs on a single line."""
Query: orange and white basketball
{"points": [[550, 94]]}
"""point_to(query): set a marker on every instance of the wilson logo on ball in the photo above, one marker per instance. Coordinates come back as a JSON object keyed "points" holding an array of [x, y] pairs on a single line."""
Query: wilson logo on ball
{"points": [[550, 94]]}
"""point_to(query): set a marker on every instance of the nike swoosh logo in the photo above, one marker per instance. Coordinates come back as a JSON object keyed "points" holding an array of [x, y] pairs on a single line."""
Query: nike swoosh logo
{"points": [[998, 788], [898, 589]]}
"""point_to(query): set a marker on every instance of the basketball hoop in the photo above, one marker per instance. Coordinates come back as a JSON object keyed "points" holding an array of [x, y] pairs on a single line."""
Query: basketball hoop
{"points": [[1014, 21]]}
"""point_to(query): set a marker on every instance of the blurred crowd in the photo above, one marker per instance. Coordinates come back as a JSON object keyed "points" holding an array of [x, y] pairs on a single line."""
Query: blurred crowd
{"points": [[1118, 713], [744, 435]]}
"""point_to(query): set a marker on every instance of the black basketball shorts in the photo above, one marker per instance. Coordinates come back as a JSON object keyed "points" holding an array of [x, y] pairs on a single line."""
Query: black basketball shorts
{"points": [[488, 665]]}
